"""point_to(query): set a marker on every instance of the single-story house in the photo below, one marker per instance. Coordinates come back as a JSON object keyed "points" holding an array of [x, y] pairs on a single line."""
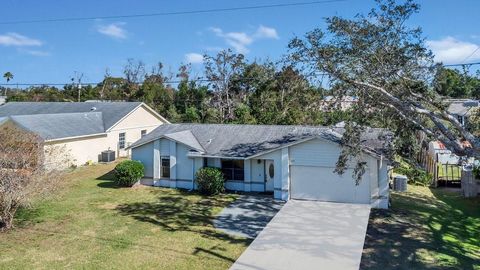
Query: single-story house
{"points": [[84, 129], [291, 162], [462, 109]]}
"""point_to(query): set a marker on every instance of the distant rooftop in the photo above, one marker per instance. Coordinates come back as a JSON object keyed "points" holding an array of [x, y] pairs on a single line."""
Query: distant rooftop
{"points": [[112, 112]]}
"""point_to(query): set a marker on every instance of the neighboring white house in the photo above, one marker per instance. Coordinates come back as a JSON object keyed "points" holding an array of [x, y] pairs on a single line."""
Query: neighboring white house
{"points": [[292, 162], [84, 129], [3, 100]]}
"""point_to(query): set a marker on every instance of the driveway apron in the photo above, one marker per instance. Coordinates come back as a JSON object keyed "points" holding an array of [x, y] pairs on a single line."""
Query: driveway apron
{"points": [[309, 235]]}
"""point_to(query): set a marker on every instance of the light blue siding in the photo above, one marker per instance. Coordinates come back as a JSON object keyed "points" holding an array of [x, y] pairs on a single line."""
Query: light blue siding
{"points": [[144, 154], [184, 165], [164, 147]]}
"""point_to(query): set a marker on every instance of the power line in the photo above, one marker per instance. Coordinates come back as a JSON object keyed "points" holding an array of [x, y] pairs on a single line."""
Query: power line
{"points": [[465, 64], [165, 82], [158, 14], [474, 51]]}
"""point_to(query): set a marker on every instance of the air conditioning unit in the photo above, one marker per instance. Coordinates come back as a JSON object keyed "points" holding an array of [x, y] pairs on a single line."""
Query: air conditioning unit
{"points": [[108, 156], [400, 183]]}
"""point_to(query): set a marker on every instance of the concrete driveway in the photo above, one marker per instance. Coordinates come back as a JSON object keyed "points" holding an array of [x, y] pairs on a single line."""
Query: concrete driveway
{"points": [[248, 215], [310, 235]]}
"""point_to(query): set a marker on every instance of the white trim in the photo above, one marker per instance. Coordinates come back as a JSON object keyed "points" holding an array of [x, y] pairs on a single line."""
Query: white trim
{"points": [[75, 137], [130, 128], [194, 155], [164, 137], [136, 108]]}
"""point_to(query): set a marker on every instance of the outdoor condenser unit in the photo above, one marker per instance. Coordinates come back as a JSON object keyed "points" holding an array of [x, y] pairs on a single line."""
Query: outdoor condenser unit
{"points": [[108, 156], [400, 183]]}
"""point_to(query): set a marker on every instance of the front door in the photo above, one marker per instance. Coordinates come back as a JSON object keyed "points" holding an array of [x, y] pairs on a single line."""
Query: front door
{"points": [[269, 175]]}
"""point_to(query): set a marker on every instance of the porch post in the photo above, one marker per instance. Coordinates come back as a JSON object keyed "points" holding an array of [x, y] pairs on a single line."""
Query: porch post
{"points": [[285, 175], [173, 164], [247, 175], [156, 160]]}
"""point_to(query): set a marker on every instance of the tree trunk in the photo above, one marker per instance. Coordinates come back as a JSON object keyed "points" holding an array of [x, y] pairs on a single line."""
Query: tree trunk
{"points": [[6, 221]]}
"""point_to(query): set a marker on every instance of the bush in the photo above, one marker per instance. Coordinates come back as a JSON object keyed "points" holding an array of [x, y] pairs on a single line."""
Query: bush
{"points": [[128, 172], [415, 175], [210, 181]]}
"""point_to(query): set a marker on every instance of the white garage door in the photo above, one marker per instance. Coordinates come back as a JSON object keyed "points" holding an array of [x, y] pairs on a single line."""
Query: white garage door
{"points": [[321, 183]]}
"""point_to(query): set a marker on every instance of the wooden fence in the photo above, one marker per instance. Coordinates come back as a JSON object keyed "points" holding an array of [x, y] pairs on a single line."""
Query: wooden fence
{"points": [[442, 173]]}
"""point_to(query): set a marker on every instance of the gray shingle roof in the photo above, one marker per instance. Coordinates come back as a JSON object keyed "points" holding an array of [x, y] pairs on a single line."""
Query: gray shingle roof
{"points": [[62, 125], [112, 112], [242, 140], [461, 107], [186, 137]]}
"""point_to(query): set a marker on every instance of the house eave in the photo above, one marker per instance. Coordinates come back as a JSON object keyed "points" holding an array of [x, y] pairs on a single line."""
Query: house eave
{"points": [[75, 137]]}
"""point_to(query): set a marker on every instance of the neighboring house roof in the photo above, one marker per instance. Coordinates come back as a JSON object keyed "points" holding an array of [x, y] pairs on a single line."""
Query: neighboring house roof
{"points": [[112, 112], [461, 107], [57, 120], [63, 125], [242, 141]]}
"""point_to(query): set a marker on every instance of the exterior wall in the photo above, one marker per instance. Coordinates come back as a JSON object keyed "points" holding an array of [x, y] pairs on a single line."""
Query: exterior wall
{"points": [[382, 200], [144, 154], [132, 125], [77, 151], [182, 167]]}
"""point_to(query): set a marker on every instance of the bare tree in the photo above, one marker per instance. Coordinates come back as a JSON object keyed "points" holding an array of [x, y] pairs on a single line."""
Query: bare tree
{"points": [[23, 176], [220, 71], [134, 73]]}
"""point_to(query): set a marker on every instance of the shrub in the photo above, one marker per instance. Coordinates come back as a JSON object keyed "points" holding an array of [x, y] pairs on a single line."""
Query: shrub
{"points": [[128, 172], [210, 181], [415, 175]]}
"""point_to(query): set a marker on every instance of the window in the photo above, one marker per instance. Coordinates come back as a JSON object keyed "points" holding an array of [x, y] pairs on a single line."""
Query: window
{"points": [[143, 132], [271, 170], [165, 168], [233, 169], [121, 140], [205, 162]]}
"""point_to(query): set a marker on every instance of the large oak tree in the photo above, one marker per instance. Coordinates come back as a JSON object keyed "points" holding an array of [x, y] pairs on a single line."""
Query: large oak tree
{"points": [[384, 62]]}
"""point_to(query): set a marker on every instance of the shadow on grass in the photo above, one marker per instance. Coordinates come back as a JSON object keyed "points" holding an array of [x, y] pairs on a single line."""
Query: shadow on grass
{"points": [[424, 232], [107, 180], [182, 211]]}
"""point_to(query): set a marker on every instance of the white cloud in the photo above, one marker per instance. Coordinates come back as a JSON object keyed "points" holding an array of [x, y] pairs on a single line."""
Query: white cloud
{"points": [[241, 40], [35, 52], [194, 58], [452, 51], [17, 40], [266, 32], [114, 30]]}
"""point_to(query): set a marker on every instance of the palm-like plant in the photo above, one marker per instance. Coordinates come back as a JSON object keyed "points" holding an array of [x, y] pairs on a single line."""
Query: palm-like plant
{"points": [[8, 76]]}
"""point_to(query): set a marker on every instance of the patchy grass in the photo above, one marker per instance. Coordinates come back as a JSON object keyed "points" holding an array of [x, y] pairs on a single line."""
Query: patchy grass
{"points": [[92, 224], [424, 229]]}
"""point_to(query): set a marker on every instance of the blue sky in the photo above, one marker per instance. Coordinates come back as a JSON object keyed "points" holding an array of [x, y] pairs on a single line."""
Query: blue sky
{"points": [[53, 52]]}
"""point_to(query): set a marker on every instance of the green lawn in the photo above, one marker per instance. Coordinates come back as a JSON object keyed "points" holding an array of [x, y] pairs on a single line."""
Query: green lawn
{"points": [[94, 225], [424, 229]]}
